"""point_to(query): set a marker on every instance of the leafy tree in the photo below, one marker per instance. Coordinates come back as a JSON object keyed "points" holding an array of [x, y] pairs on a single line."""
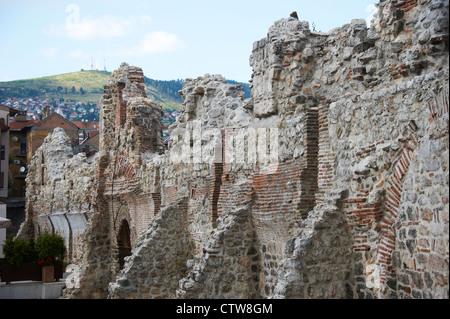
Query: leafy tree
{"points": [[168, 88]]}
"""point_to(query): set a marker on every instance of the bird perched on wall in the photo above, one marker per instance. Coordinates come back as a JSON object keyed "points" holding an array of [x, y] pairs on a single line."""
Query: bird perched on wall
{"points": [[294, 15]]}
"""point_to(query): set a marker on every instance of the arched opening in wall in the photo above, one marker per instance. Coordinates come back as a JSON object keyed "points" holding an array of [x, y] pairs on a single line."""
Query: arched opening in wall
{"points": [[124, 242]]}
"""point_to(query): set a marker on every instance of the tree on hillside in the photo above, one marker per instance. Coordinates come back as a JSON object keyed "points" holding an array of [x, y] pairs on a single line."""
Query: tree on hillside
{"points": [[74, 91], [168, 88]]}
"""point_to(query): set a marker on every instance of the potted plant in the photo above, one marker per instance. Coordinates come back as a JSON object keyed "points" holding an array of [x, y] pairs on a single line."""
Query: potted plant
{"points": [[51, 251], [19, 251], [18, 262]]}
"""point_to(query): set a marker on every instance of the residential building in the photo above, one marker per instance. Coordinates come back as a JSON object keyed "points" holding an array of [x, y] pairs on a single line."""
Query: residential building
{"points": [[41, 129], [5, 113], [28, 135], [19, 129]]}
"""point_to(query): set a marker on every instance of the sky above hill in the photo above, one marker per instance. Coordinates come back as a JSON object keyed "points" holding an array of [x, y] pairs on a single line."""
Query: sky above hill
{"points": [[169, 39]]}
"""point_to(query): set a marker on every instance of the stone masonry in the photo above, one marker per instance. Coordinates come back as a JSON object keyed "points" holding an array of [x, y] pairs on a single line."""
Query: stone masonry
{"points": [[331, 181], [58, 192]]}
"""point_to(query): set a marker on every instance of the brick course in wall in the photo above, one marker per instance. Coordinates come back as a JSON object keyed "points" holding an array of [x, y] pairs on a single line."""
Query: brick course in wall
{"points": [[325, 157]]}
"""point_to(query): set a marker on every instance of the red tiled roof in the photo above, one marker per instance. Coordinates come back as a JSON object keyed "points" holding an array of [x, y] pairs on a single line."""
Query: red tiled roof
{"points": [[86, 125], [19, 125]]}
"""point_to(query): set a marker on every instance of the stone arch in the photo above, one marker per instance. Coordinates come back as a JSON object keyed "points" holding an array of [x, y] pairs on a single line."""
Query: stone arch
{"points": [[125, 169], [123, 213], [124, 187], [121, 188], [124, 221], [123, 242]]}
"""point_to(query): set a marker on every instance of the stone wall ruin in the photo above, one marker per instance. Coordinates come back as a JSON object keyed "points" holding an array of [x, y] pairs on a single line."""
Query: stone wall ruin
{"points": [[331, 181]]}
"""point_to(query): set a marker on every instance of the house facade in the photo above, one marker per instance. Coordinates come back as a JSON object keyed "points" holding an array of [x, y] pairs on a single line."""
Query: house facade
{"points": [[5, 113], [26, 136]]}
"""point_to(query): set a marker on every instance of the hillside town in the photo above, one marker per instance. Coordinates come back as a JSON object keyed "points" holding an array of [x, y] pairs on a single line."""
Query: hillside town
{"points": [[70, 109]]}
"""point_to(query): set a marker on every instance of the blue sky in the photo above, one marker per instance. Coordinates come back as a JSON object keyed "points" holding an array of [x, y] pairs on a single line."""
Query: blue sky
{"points": [[169, 39]]}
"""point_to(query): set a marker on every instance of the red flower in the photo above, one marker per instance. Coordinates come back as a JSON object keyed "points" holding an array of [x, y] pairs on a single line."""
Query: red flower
{"points": [[47, 261]]}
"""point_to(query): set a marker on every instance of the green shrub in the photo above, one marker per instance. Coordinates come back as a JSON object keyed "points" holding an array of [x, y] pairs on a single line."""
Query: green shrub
{"points": [[50, 245], [18, 251]]}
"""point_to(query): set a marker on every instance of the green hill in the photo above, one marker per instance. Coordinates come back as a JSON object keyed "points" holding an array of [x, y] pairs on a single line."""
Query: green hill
{"points": [[87, 87], [84, 86]]}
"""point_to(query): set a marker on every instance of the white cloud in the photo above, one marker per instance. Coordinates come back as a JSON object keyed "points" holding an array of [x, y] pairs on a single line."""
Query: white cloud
{"points": [[154, 42], [85, 27], [49, 53], [77, 27], [91, 28], [371, 9], [88, 27]]}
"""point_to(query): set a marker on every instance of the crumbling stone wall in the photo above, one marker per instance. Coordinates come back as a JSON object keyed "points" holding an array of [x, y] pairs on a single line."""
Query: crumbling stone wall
{"points": [[161, 254], [193, 166], [372, 89], [191, 170], [331, 181], [352, 108], [319, 259], [59, 187], [229, 266], [124, 203]]}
